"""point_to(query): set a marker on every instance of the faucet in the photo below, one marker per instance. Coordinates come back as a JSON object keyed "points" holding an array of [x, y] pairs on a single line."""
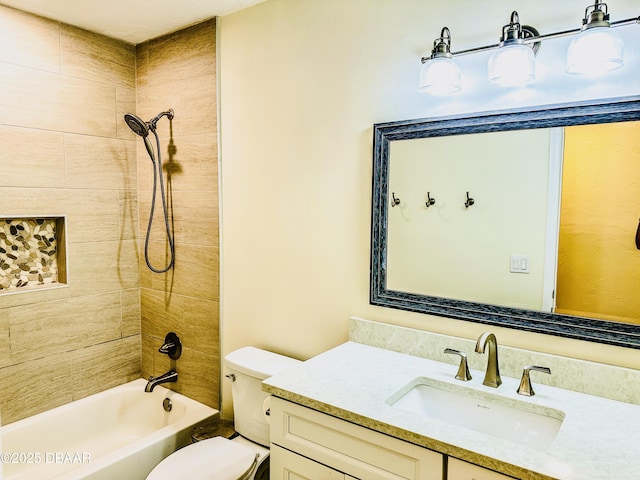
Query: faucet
{"points": [[492, 375], [170, 377]]}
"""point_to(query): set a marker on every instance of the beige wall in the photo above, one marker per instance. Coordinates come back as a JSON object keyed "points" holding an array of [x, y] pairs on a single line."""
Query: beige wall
{"points": [[179, 71], [302, 83], [65, 152]]}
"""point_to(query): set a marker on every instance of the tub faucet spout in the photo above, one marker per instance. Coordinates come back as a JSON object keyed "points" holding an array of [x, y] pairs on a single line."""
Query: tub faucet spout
{"points": [[492, 375], [170, 377]]}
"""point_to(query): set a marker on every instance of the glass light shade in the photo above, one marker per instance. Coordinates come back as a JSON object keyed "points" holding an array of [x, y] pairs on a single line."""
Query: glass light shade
{"points": [[439, 76], [513, 64], [594, 51]]}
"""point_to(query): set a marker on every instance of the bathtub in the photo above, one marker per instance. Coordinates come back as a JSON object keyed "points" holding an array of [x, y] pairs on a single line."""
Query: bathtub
{"points": [[120, 433]]}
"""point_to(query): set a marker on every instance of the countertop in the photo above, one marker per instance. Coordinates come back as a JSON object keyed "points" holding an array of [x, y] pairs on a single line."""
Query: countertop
{"points": [[599, 438]]}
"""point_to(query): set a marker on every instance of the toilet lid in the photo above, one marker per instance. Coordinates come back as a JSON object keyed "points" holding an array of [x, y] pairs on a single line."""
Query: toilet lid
{"points": [[215, 458]]}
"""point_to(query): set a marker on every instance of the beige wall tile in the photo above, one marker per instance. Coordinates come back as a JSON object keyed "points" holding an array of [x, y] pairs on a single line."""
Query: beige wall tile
{"points": [[100, 163], [145, 275], [145, 168], [198, 376], [33, 387], [5, 346], [93, 215], [200, 221], [125, 103], [182, 55], [194, 320], [128, 214], [38, 99], [96, 57], [130, 299], [195, 273], [195, 162], [16, 299], [31, 158], [194, 103], [99, 367], [102, 266], [150, 346], [45, 329], [42, 201], [142, 65], [37, 39]]}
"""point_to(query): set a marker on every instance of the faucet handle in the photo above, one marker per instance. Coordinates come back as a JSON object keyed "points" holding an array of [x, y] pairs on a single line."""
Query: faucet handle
{"points": [[525, 387], [171, 346], [463, 370]]}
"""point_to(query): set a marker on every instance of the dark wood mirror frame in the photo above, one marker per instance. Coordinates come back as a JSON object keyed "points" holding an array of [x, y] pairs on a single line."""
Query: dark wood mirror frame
{"points": [[581, 328]]}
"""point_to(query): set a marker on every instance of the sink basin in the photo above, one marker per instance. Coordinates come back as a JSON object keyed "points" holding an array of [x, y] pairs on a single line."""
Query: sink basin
{"points": [[518, 421]]}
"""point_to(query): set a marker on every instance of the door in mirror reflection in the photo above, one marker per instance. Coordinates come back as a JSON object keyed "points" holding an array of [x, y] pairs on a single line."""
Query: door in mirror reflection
{"points": [[598, 262]]}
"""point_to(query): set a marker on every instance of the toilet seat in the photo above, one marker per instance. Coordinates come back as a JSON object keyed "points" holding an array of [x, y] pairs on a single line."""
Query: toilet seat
{"points": [[215, 458]]}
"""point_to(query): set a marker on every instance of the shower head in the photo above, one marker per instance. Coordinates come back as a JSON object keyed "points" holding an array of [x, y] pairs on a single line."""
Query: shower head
{"points": [[139, 126]]}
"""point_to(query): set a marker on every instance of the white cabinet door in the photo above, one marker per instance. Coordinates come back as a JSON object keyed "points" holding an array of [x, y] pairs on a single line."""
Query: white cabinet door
{"points": [[286, 465], [459, 470], [349, 448]]}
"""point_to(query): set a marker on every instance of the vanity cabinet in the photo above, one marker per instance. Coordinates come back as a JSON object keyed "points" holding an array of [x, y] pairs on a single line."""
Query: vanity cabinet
{"points": [[309, 445], [459, 470], [329, 448]]}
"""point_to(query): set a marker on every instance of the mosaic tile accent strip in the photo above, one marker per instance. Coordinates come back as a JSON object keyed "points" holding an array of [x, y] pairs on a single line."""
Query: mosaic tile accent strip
{"points": [[28, 253]]}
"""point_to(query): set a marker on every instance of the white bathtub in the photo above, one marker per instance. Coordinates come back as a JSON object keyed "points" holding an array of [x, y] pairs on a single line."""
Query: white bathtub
{"points": [[121, 433]]}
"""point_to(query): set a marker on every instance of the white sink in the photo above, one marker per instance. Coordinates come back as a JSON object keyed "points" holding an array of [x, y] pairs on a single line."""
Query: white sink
{"points": [[514, 420]]}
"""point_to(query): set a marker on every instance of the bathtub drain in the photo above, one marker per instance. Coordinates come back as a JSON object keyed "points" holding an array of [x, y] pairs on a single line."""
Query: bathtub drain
{"points": [[167, 405]]}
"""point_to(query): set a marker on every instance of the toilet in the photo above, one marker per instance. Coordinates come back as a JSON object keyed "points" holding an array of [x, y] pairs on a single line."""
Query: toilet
{"points": [[244, 456]]}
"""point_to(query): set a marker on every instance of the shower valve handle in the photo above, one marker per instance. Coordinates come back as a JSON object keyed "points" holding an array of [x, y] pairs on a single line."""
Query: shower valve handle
{"points": [[171, 346]]}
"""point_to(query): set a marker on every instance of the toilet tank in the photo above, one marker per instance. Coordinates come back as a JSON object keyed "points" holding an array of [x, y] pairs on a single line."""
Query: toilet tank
{"points": [[249, 366]]}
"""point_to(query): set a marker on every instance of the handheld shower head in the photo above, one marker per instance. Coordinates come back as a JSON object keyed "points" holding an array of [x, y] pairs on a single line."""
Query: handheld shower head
{"points": [[142, 128], [136, 124]]}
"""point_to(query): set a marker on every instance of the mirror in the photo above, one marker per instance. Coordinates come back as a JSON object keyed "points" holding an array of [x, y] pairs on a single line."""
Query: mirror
{"points": [[475, 236]]}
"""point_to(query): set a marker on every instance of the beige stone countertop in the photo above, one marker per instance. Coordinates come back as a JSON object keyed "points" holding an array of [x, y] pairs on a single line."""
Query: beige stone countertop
{"points": [[599, 438]]}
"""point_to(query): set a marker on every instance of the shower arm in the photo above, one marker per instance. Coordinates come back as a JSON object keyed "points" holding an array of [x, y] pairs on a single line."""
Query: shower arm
{"points": [[154, 120]]}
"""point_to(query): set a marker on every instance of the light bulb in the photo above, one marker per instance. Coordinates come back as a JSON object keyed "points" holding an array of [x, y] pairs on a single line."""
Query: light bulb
{"points": [[440, 76], [512, 65], [595, 51]]}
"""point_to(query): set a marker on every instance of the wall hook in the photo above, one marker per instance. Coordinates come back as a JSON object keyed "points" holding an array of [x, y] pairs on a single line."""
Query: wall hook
{"points": [[395, 201], [430, 201], [469, 202]]}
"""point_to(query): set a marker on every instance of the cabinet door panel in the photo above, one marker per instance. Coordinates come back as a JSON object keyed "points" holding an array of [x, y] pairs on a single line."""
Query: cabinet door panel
{"points": [[286, 465], [352, 449], [459, 470]]}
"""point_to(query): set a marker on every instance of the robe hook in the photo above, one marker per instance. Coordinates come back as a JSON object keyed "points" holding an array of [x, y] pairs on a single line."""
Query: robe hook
{"points": [[395, 201], [430, 201], [469, 202]]}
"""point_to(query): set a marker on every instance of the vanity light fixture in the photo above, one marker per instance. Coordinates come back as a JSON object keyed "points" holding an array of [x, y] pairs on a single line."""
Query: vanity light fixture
{"points": [[514, 63], [440, 75], [596, 49]]}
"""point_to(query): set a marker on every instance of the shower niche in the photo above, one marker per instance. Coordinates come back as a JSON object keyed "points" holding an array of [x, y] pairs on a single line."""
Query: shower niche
{"points": [[32, 253]]}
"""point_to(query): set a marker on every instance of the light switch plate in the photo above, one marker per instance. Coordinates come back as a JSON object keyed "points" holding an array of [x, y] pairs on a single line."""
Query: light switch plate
{"points": [[520, 263]]}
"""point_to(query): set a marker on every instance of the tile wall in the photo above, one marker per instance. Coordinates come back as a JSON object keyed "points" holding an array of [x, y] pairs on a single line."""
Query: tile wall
{"points": [[62, 91], [179, 71], [67, 151]]}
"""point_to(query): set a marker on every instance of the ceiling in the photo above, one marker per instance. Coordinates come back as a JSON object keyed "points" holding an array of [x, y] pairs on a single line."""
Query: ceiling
{"points": [[133, 21]]}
